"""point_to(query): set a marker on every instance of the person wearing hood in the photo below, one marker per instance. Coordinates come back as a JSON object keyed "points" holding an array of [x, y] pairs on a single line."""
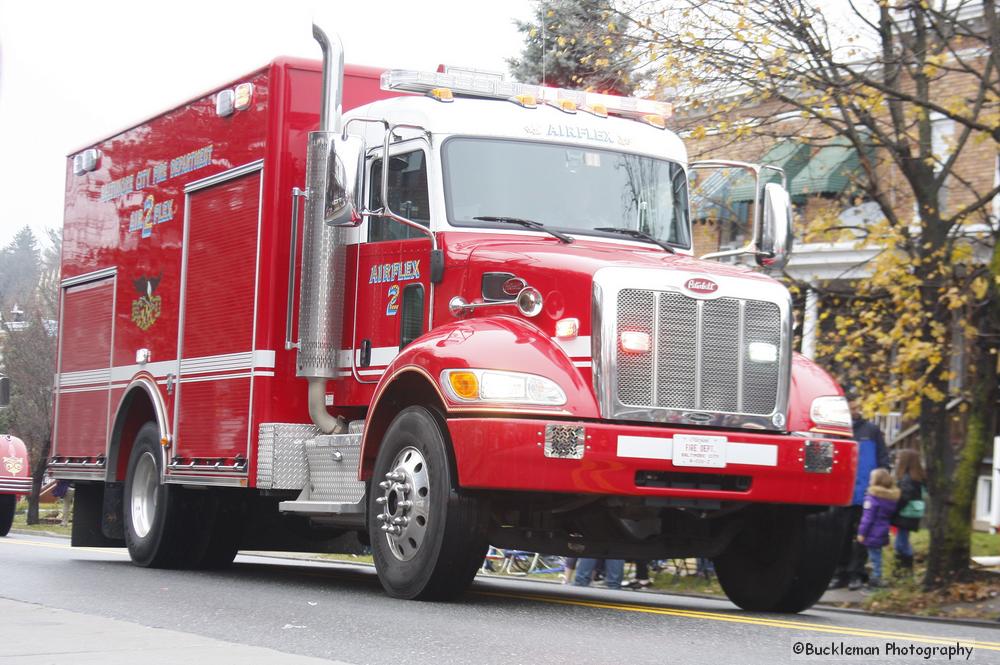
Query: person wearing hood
{"points": [[872, 454], [877, 510]]}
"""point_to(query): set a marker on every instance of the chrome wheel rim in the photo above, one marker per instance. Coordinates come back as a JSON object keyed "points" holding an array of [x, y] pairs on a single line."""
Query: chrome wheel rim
{"points": [[405, 503], [145, 483]]}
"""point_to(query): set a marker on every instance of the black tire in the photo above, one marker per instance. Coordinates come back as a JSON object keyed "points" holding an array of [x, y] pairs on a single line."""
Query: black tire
{"points": [[782, 561], [155, 537], [8, 503], [438, 558], [216, 527]]}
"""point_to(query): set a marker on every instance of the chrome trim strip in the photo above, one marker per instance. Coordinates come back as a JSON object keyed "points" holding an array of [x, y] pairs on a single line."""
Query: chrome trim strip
{"points": [[15, 485], [78, 474], [208, 481], [655, 373], [235, 172], [218, 467], [159, 409], [89, 277], [741, 341], [699, 336]]}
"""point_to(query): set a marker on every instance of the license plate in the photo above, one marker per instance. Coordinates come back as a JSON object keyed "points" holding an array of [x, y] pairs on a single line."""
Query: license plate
{"points": [[696, 450]]}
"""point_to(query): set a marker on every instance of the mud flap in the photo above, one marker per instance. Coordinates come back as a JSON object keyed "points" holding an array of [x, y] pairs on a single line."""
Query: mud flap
{"points": [[97, 515]]}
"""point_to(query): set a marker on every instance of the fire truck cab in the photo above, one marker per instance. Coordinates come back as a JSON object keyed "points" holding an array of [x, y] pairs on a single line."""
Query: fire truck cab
{"points": [[465, 312]]}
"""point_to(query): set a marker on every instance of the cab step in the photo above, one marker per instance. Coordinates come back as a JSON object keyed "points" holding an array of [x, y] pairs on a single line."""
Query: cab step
{"points": [[331, 486]]}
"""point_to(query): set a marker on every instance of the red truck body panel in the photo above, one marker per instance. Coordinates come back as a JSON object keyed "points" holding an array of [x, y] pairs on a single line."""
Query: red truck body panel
{"points": [[125, 288]]}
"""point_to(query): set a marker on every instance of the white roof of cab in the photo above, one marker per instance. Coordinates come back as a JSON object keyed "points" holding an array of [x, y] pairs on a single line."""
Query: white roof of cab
{"points": [[504, 119]]}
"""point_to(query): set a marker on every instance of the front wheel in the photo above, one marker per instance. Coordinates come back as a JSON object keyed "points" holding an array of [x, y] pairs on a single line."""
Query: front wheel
{"points": [[782, 561], [428, 540], [8, 502]]}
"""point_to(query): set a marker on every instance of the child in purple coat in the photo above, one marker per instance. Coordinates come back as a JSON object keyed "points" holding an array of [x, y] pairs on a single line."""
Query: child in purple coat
{"points": [[878, 508]]}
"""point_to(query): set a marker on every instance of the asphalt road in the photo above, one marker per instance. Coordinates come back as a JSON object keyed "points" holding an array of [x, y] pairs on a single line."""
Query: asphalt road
{"points": [[277, 609]]}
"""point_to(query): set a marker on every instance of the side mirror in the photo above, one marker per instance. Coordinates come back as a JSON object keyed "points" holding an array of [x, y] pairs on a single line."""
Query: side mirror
{"points": [[343, 203], [333, 165], [774, 247]]}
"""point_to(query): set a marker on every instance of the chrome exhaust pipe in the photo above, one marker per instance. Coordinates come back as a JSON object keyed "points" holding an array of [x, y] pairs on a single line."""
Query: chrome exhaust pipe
{"points": [[324, 261], [333, 79]]}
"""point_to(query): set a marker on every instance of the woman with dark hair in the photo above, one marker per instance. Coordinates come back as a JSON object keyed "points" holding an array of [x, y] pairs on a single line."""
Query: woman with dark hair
{"points": [[910, 509]]}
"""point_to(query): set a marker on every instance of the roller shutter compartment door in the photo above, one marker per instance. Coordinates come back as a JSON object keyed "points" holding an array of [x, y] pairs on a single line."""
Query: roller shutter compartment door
{"points": [[216, 354]]}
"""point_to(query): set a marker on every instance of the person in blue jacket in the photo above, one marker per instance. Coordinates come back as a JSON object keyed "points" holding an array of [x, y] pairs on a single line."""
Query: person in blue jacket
{"points": [[872, 454]]}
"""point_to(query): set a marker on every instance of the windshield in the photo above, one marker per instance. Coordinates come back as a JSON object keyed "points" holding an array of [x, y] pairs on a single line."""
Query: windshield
{"points": [[569, 188]]}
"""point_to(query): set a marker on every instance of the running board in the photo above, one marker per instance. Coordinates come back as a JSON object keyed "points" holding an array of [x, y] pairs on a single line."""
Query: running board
{"points": [[331, 488]]}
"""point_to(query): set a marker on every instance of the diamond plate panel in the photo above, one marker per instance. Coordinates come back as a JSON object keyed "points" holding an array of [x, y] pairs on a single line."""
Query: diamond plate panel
{"points": [[281, 455], [333, 468]]}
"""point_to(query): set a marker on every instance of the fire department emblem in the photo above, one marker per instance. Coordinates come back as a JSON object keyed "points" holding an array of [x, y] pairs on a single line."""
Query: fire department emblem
{"points": [[13, 465], [146, 308]]}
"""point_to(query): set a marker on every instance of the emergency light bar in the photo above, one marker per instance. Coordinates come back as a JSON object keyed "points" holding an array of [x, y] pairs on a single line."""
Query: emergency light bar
{"points": [[486, 86]]}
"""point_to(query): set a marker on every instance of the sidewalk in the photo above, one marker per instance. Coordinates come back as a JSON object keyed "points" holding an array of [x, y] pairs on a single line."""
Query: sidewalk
{"points": [[36, 635]]}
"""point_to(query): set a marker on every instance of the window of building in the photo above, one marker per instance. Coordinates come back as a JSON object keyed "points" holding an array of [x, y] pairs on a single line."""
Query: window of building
{"points": [[984, 498]]}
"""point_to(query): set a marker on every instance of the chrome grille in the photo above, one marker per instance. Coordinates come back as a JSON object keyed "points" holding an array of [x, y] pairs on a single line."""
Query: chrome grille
{"points": [[699, 359]]}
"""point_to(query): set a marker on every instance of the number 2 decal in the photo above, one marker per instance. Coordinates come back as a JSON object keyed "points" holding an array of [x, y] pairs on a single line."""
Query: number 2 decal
{"points": [[393, 305]]}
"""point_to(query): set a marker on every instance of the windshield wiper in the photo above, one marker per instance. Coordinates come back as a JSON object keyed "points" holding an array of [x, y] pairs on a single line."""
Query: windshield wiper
{"points": [[527, 223], [638, 235]]}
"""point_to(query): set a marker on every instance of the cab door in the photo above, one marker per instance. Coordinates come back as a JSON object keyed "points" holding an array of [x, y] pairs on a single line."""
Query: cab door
{"points": [[393, 277]]}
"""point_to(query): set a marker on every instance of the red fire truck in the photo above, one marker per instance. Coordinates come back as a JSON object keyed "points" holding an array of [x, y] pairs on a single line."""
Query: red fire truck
{"points": [[270, 339], [15, 478]]}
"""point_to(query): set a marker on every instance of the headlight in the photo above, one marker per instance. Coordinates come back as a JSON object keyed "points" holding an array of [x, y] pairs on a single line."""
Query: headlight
{"points": [[831, 411], [490, 385]]}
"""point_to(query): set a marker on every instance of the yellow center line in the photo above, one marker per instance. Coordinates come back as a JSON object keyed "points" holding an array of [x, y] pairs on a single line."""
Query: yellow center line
{"points": [[734, 618]]}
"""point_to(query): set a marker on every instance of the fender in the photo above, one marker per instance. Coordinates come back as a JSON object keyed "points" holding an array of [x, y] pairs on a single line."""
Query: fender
{"points": [[810, 381], [474, 343], [143, 384], [15, 475]]}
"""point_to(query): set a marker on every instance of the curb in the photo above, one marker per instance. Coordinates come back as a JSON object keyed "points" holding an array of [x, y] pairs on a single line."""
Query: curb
{"points": [[37, 532], [958, 621]]}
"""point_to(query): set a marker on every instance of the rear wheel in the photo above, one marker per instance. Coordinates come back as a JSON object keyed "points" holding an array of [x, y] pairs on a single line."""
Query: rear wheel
{"points": [[782, 561], [8, 502], [428, 540], [153, 521]]}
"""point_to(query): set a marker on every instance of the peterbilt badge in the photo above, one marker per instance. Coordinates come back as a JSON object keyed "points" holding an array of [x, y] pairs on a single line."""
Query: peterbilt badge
{"points": [[701, 285]]}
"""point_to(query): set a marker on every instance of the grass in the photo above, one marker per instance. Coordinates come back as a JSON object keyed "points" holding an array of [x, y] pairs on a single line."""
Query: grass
{"points": [[978, 597], [49, 522]]}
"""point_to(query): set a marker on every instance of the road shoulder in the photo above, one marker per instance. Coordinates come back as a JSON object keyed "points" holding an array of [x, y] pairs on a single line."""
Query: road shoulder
{"points": [[35, 634]]}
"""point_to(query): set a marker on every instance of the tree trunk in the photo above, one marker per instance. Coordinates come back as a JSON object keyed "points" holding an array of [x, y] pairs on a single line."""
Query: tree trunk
{"points": [[939, 460], [37, 474], [950, 518]]}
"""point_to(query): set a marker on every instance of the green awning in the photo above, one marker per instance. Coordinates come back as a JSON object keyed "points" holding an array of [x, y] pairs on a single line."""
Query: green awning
{"points": [[789, 155], [830, 171]]}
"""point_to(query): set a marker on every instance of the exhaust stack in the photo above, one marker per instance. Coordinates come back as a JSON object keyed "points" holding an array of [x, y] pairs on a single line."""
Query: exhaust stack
{"points": [[321, 295]]}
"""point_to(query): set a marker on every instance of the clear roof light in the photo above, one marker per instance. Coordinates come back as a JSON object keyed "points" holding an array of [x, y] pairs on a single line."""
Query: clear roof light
{"points": [[469, 83]]}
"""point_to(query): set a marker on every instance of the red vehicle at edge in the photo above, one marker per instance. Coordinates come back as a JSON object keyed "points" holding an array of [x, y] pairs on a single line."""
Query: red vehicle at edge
{"points": [[15, 478], [504, 338]]}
